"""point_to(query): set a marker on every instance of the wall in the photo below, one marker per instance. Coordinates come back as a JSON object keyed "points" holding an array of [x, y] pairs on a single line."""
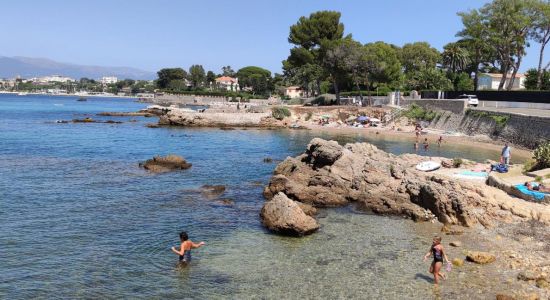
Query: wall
{"points": [[502, 96], [526, 131], [205, 100], [456, 106]]}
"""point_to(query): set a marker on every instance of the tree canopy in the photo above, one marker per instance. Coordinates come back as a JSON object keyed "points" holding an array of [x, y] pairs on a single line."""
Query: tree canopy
{"points": [[167, 75]]}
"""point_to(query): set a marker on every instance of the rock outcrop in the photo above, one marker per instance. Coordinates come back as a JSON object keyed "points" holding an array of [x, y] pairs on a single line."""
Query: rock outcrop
{"points": [[212, 191], [178, 117], [167, 163], [480, 257], [329, 174], [285, 216]]}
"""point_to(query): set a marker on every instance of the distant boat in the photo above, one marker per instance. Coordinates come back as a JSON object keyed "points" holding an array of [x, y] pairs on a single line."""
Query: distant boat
{"points": [[22, 94], [82, 99]]}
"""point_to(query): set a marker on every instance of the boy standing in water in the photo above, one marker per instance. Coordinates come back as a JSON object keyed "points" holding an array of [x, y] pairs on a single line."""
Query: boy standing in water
{"points": [[439, 254], [185, 248], [426, 144]]}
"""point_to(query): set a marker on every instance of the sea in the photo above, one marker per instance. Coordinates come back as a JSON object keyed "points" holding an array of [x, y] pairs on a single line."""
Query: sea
{"points": [[79, 219]]}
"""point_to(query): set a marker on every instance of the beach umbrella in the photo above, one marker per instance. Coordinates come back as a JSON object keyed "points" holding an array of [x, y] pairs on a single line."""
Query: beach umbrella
{"points": [[375, 120], [362, 118], [325, 116]]}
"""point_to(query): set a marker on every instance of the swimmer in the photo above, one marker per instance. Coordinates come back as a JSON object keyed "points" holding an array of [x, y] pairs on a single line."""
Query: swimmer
{"points": [[439, 254], [185, 248]]}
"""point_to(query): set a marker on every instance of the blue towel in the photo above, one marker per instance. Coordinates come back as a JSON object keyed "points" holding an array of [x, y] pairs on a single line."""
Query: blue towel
{"points": [[474, 174], [523, 189]]}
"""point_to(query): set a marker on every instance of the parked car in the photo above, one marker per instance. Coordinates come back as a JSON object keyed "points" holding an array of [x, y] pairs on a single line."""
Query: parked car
{"points": [[472, 99]]}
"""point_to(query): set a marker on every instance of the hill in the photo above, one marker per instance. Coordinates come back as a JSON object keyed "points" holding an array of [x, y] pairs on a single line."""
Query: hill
{"points": [[28, 67]]}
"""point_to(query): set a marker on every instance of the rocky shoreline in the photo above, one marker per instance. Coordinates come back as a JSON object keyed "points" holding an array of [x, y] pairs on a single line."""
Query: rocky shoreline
{"points": [[513, 231]]}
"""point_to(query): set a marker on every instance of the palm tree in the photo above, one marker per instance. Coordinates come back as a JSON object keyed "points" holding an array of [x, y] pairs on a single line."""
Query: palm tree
{"points": [[455, 58]]}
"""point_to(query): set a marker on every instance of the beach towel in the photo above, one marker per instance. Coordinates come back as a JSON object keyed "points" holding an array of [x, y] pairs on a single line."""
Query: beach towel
{"points": [[467, 174], [535, 194]]}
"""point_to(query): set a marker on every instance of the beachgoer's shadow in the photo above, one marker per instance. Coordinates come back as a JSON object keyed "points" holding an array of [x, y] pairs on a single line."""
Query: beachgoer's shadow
{"points": [[424, 277]]}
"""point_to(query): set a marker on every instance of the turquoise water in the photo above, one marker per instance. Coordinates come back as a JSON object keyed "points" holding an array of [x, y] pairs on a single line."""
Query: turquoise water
{"points": [[79, 219]]}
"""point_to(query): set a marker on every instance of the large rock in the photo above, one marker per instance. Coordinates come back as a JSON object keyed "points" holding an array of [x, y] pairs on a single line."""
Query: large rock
{"points": [[328, 174], [285, 216], [212, 191], [167, 163], [480, 257]]}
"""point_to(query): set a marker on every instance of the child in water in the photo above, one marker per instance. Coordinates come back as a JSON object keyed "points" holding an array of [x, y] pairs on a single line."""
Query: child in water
{"points": [[426, 144], [185, 248], [439, 254], [439, 141]]}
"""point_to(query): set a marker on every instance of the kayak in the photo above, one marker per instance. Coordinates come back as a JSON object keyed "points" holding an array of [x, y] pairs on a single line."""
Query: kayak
{"points": [[427, 166]]}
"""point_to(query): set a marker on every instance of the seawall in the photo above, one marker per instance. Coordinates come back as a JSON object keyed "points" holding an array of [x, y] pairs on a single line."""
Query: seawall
{"points": [[522, 130]]}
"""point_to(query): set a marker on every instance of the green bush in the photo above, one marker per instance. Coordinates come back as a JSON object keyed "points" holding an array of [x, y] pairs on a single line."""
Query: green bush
{"points": [[457, 162], [500, 120], [542, 156], [415, 112], [529, 165], [430, 116], [308, 116], [280, 113]]}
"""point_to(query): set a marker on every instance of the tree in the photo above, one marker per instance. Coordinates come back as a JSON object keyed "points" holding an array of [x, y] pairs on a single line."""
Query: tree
{"points": [[385, 66], [474, 39], [196, 75], [532, 80], [428, 79], [228, 71], [342, 59], [508, 25], [210, 78], [541, 32], [167, 75], [257, 78], [418, 56], [306, 63], [454, 57]]}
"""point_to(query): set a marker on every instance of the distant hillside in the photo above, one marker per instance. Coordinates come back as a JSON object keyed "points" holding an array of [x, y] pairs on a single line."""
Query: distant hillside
{"points": [[28, 67]]}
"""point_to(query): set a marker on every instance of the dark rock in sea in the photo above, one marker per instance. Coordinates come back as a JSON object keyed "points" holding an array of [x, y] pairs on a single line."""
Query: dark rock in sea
{"points": [[329, 175], [151, 125], [113, 122], [268, 160], [212, 191], [284, 216], [167, 163], [227, 128], [85, 120]]}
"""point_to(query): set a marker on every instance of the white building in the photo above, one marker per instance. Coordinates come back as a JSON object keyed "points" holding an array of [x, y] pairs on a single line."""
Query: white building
{"points": [[108, 79], [490, 81], [294, 92], [52, 78], [227, 83]]}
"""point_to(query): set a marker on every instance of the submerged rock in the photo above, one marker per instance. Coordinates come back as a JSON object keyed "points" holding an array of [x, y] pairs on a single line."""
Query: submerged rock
{"points": [[329, 175], [480, 257], [212, 191], [167, 163], [285, 216]]}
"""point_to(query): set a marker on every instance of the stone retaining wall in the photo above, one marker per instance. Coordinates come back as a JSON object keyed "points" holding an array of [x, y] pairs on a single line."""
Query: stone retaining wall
{"points": [[526, 131], [453, 105]]}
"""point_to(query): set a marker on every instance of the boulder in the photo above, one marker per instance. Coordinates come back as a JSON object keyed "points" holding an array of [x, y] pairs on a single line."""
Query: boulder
{"points": [[479, 257], [330, 175], [167, 163], [212, 191], [307, 209], [458, 262], [282, 215], [504, 297]]}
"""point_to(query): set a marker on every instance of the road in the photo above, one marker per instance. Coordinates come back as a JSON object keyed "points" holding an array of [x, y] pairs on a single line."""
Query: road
{"points": [[520, 111]]}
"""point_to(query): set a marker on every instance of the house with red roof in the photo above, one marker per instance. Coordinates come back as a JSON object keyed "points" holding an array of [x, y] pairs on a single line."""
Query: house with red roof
{"points": [[227, 83]]}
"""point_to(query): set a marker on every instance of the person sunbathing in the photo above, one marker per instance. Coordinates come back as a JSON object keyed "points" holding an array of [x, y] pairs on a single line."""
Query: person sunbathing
{"points": [[538, 188]]}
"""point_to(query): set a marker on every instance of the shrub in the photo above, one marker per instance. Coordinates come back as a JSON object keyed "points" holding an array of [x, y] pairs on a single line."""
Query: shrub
{"points": [[415, 112], [542, 155], [529, 165], [457, 162], [538, 179], [430, 116], [308, 116], [500, 120], [280, 113]]}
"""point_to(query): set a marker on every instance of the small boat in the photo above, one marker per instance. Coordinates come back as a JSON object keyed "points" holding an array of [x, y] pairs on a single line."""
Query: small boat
{"points": [[22, 94], [82, 99], [428, 166]]}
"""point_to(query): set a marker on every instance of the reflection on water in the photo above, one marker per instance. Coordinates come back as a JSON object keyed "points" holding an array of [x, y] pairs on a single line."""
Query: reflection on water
{"points": [[79, 219]]}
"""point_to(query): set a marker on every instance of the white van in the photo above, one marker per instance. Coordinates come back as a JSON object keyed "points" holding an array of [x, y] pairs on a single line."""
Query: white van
{"points": [[472, 99]]}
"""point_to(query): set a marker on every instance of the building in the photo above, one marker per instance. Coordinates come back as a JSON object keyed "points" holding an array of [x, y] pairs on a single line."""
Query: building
{"points": [[227, 83], [294, 92], [490, 81], [52, 78], [108, 79]]}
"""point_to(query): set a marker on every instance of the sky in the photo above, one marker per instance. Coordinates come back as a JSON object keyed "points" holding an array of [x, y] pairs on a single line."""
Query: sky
{"points": [[151, 34]]}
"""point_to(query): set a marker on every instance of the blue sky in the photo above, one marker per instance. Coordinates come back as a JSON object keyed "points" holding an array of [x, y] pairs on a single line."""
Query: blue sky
{"points": [[166, 33]]}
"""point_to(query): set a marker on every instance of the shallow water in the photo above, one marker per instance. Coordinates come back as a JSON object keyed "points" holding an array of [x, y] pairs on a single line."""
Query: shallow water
{"points": [[79, 219]]}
